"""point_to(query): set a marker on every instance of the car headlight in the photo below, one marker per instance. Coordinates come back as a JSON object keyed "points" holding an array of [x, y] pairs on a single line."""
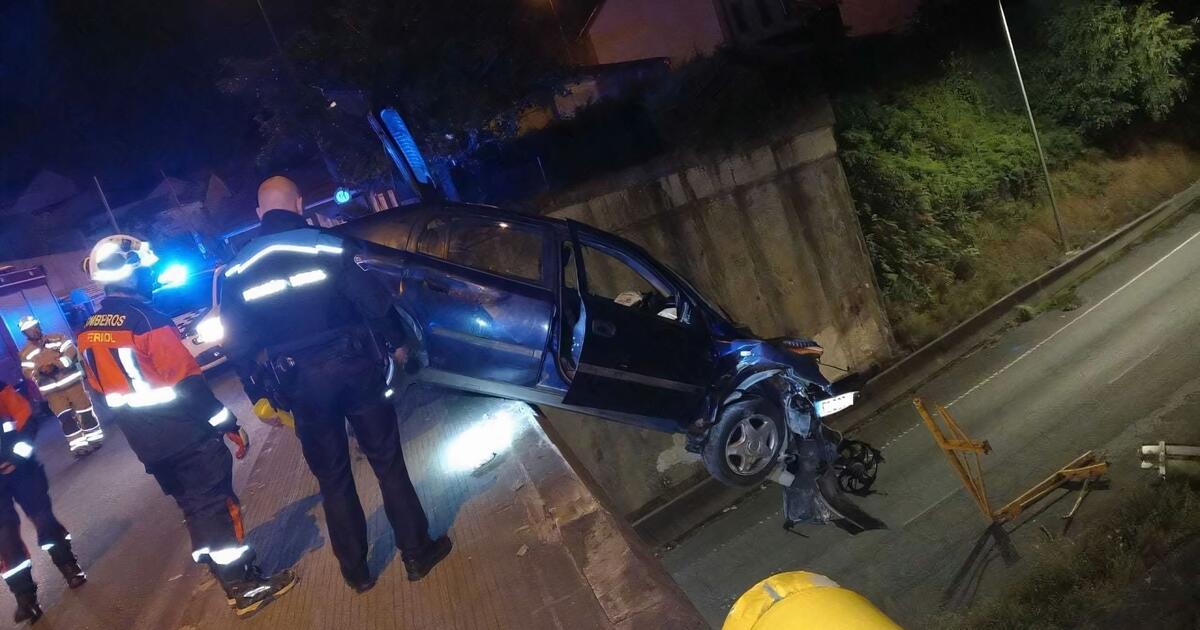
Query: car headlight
{"points": [[209, 330]]}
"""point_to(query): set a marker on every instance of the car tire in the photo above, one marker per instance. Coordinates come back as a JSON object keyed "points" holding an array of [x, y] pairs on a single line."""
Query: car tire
{"points": [[744, 445]]}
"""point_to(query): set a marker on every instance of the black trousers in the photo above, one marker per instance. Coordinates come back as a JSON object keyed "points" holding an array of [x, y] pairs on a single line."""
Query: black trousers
{"points": [[325, 389], [27, 486], [200, 479]]}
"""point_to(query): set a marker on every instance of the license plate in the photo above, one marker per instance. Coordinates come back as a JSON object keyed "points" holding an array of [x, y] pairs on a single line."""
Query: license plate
{"points": [[830, 406]]}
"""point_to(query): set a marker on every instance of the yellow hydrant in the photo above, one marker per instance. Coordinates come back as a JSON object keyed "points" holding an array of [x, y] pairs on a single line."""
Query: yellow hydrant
{"points": [[800, 600]]}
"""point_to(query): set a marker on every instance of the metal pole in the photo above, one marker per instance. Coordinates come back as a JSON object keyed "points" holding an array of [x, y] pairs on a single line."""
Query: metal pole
{"points": [[107, 207], [271, 30], [1062, 238]]}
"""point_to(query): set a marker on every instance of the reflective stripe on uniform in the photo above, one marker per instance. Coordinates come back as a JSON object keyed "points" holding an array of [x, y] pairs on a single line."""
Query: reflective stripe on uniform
{"points": [[17, 569]]}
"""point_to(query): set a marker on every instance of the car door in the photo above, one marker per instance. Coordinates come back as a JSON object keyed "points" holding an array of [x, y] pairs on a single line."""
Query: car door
{"points": [[478, 288], [644, 350]]}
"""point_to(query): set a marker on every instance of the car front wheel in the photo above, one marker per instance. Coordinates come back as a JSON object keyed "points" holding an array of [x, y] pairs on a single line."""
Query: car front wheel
{"points": [[745, 443]]}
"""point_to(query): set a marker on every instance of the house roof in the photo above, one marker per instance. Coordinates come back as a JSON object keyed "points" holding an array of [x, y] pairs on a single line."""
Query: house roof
{"points": [[46, 189]]}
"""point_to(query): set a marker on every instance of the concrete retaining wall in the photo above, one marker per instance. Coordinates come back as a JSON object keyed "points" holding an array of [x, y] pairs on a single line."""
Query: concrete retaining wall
{"points": [[770, 234]]}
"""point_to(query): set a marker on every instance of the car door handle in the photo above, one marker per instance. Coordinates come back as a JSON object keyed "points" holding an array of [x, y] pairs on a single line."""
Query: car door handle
{"points": [[604, 328], [434, 286]]}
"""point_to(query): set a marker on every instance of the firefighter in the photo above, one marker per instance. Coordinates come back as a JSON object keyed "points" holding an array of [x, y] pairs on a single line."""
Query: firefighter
{"points": [[303, 324], [23, 482], [134, 358], [51, 362]]}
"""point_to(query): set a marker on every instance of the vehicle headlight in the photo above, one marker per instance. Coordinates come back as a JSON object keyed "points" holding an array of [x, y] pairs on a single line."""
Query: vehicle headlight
{"points": [[210, 329]]}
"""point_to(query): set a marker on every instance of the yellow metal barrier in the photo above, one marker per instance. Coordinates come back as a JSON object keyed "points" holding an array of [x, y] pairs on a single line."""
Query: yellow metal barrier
{"points": [[963, 455]]}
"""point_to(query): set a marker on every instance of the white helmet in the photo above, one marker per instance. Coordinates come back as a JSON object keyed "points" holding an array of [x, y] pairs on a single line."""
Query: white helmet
{"points": [[27, 322], [115, 257]]}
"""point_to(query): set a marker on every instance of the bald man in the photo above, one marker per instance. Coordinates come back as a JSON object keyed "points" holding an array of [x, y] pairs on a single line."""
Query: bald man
{"points": [[304, 326]]}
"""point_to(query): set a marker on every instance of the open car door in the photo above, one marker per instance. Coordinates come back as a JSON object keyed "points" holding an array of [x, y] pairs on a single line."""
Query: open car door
{"points": [[636, 346]]}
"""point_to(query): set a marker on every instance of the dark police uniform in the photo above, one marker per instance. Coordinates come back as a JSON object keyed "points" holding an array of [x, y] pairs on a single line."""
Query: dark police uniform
{"points": [[25, 484], [304, 325], [153, 386]]}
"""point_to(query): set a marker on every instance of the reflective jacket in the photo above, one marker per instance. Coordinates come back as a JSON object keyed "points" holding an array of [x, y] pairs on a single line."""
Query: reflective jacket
{"points": [[135, 360], [16, 443], [294, 287], [51, 363]]}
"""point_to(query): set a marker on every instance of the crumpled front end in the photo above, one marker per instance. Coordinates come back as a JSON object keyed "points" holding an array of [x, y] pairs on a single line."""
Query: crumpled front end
{"points": [[818, 460]]}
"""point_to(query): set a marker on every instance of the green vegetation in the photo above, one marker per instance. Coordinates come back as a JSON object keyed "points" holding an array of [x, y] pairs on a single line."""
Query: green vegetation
{"points": [[1076, 580], [942, 164]]}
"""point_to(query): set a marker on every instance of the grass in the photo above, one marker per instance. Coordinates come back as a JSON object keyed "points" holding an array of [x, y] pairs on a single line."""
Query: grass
{"points": [[1082, 578], [1017, 239]]}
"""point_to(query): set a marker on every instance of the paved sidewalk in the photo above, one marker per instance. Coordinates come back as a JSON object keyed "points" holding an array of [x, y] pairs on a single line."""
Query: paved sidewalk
{"points": [[533, 547]]}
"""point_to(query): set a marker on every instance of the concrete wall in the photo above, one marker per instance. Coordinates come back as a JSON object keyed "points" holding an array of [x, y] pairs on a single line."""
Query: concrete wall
{"points": [[769, 233], [627, 30]]}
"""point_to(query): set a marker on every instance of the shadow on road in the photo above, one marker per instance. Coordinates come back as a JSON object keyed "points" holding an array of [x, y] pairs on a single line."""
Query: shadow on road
{"points": [[965, 585], [288, 536]]}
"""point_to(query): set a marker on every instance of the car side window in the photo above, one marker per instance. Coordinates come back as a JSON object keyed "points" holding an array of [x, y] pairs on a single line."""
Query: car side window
{"points": [[615, 279], [496, 247], [433, 238]]}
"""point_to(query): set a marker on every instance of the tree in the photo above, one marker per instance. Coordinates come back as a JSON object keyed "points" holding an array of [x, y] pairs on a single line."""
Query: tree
{"points": [[459, 72], [1104, 63]]}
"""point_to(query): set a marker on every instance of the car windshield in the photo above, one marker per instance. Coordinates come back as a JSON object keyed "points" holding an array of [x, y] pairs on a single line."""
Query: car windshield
{"points": [[193, 293]]}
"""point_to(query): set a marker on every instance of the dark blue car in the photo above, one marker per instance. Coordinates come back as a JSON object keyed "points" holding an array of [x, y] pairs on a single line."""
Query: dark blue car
{"points": [[553, 312]]}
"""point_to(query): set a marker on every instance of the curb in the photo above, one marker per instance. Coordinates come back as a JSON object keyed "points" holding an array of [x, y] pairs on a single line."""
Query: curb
{"points": [[702, 502]]}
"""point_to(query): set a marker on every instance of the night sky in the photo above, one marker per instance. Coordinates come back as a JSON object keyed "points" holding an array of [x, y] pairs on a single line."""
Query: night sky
{"points": [[122, 88]]}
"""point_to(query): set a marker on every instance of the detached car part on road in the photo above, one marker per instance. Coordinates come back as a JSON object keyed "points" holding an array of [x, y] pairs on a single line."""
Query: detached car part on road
{"points": [[553, 312]]}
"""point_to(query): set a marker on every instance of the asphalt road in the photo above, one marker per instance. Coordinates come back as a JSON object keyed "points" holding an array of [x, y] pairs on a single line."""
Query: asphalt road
{"points": [[130, 538], [1119, 371]]}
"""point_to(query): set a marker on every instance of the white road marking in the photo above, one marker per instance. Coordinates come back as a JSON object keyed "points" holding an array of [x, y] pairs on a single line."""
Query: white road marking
{"points": [[1073, 321], [1053, 335]]}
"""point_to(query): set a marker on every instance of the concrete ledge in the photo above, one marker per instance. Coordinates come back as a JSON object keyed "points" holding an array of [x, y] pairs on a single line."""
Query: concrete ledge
{"points": [[696, 505]]}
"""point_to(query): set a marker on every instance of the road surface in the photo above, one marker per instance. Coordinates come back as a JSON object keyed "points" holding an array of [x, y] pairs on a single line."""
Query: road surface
{"points": [[1121, 370]]}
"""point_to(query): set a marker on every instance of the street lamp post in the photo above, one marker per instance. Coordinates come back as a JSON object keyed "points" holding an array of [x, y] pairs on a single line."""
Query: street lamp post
{"points": [[1062, 239]]}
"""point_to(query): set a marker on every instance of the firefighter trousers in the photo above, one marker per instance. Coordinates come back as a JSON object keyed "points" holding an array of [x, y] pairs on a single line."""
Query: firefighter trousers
{"points": [[73, 409], [27, 486], [325, 391], [200, 479]]}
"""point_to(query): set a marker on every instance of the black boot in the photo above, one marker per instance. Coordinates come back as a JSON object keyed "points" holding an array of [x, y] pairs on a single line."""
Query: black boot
{"points": [[64, 558], [421, 563], [28, 608], [25, 590], [250, 591], [71, 572]]}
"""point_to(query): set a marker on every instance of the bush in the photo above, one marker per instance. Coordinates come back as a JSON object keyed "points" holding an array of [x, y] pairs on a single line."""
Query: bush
{"points": [[925, 162]]}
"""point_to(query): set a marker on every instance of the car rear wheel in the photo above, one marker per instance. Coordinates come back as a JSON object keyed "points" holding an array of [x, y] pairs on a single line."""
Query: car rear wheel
{"points": [[745, 443]]}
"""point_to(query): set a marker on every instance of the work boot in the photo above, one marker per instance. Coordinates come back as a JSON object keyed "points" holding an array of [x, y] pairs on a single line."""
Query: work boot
{"points": [[71, 572], [421, 563], [28, 608], [254, 592]]}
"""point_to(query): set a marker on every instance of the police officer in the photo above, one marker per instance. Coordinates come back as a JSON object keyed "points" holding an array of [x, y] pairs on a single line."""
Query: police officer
{"points": [[304, 325], [23, 482], [51, 362], [134, 358]]}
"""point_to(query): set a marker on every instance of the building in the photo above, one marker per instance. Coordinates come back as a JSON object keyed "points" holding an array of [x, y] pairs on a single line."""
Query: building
{"points": [[626, 30]]}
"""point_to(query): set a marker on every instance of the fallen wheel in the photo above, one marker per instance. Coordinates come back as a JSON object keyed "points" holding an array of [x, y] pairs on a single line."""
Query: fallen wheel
{"points": [[857, 466]]}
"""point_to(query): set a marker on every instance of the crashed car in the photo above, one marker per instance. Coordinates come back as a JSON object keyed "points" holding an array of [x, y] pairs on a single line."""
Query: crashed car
{"points": [[553, 312]]}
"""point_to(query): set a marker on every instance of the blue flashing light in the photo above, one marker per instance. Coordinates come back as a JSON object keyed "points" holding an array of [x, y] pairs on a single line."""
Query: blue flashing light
{"points": [[342, 196], [174, 275]]}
